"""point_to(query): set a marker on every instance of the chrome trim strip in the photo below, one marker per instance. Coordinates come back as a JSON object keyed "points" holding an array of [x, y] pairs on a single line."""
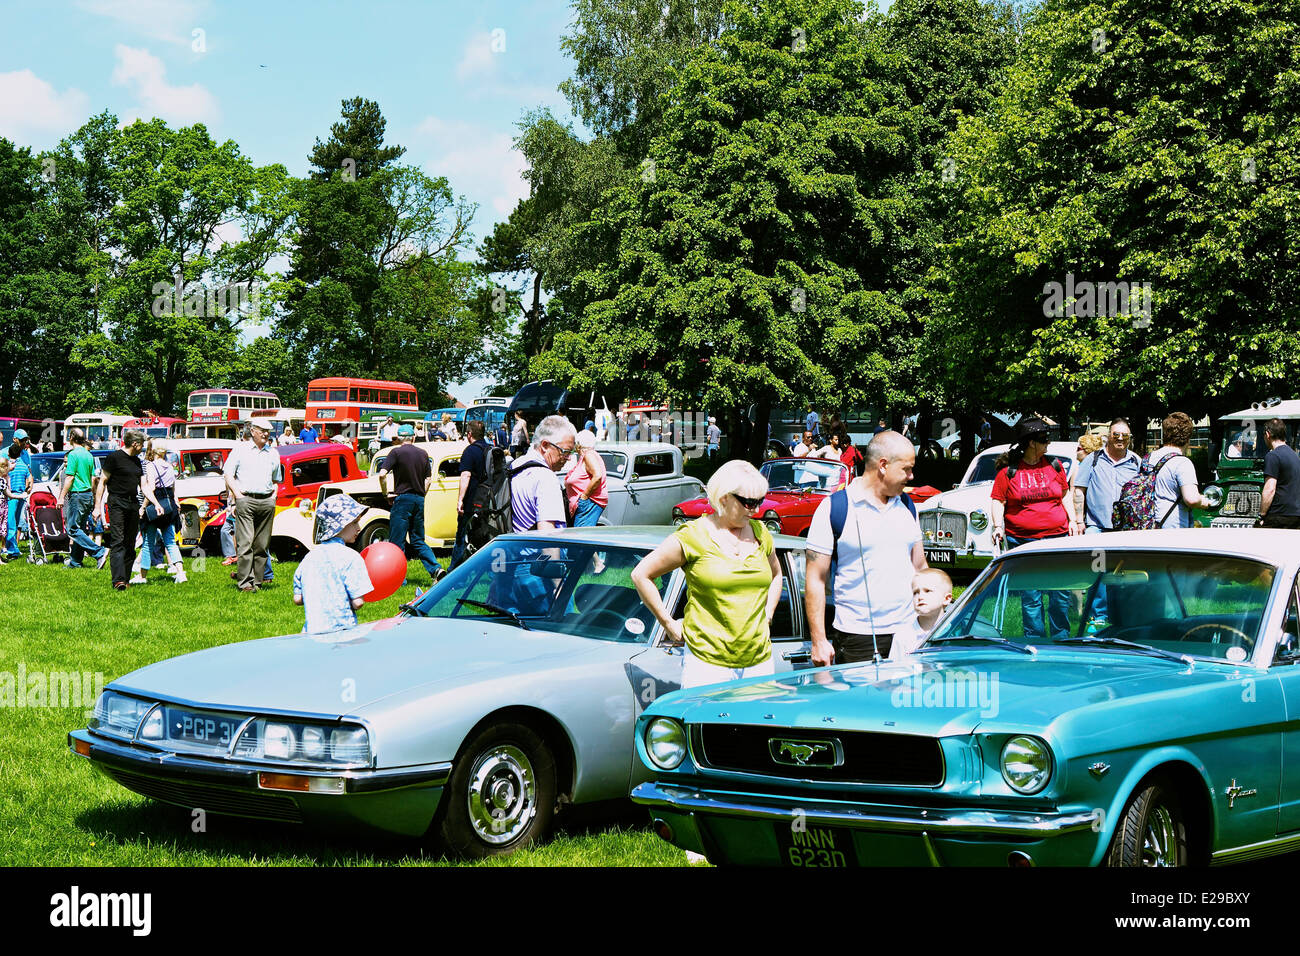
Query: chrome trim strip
{"points": [[1255, 851], [167, 765], [957, 821]]}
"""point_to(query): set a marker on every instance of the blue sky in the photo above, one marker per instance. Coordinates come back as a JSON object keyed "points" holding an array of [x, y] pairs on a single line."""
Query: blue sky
{"points": [[452, 78]]}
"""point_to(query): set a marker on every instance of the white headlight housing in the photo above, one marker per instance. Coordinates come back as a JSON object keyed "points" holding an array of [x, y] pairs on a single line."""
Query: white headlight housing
{"points": [[1214, 495], [278, 742], [665, 742], [1026, 764]]}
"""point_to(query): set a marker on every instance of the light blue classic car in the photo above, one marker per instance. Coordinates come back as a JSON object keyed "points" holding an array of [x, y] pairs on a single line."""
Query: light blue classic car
{"points": [[1151, 720], [511, 686]]}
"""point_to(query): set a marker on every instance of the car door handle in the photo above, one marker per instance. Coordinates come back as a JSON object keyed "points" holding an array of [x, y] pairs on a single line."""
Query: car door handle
{"points": [[797, 657]]}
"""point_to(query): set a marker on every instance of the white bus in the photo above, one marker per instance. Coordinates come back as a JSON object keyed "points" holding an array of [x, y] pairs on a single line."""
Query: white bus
{"points": [[102, 429]]}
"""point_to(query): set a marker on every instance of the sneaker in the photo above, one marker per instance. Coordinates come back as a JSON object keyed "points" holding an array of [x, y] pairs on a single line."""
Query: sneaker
{"points": [[101, 560], [180, 577], [119, 586], [139, 579]]}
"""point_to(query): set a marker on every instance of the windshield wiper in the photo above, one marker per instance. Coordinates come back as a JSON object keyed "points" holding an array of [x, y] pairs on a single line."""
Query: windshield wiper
{"points": [[413, 608], [518, 621], [1118, 642], [1000, 641]]}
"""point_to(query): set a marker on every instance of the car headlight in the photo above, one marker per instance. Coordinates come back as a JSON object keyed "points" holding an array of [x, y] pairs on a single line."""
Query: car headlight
{"points": [[1026, 764], [665, 742], [1214, 495], [291, 741], [118, 714], [772, 520], [679, 516], [278, 742], [304, 505], [203, 509], [979, 520], [313, 742]]}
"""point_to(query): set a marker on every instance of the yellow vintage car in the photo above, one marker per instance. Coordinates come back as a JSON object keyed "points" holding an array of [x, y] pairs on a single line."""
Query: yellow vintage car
{"points": [[439, 502]]}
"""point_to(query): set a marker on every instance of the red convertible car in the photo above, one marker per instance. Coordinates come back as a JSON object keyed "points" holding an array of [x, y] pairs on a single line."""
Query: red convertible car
{"points": [[795, 487]]}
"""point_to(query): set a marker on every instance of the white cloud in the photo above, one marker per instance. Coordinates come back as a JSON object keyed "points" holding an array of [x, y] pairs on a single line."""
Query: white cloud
{"points": [[479, 59], [482, 164], [32, 112], [182, 105], [172, 21]]}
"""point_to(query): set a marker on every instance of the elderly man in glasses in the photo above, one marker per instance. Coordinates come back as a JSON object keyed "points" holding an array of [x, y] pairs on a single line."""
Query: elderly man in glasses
{"points": [[537, 498]]}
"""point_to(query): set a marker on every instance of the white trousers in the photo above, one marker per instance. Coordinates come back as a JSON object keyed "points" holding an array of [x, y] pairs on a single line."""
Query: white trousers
{"points": [[696, 672]]}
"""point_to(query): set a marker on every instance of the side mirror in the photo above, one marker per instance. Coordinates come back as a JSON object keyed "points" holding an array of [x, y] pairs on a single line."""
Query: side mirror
{"points": [[1288, 649], [632, 477]]}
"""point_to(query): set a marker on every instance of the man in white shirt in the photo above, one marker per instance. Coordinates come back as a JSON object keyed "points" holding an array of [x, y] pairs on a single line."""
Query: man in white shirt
{"points": [[536, 496], [804, 448], [252, 473], [877, 556], [388, 431]]}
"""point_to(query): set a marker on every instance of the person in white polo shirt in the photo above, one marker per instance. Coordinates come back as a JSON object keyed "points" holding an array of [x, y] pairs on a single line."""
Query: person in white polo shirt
{"points": [[252, 472], [877, 554]]}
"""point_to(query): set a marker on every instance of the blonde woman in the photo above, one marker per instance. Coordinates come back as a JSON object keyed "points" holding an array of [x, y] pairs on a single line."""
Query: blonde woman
{"points": [[733, 581], [585, 486], [448, 428], [159, 514]]}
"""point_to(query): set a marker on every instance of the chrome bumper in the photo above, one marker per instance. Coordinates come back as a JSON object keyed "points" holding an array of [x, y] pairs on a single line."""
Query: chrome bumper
{"points": [[936, 821], [168, 765]]}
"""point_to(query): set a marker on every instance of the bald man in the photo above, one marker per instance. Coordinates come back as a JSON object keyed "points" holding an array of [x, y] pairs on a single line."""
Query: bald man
{"points": [[876, 557]]}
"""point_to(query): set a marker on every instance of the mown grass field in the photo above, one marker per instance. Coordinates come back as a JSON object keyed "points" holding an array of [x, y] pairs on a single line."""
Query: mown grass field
{"points": [[56, 809]]}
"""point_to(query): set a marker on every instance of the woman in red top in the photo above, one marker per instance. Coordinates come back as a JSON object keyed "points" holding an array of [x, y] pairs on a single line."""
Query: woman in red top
{"points": [[1031, 500], [585, 486], [850, 454]]}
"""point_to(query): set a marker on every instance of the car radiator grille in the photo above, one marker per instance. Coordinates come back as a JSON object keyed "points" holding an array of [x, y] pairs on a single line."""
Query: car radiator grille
{"points": [[897, 759], [215, 799], [1243, 500], [190, 525], [944, 528]]}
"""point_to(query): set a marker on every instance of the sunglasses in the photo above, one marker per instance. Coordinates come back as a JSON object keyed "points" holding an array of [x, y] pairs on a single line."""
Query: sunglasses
{"points": [[566, 452], [750, 503]]}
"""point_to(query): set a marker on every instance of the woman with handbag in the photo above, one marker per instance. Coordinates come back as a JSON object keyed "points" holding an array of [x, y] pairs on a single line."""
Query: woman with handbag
{"points": [[159, 513]]}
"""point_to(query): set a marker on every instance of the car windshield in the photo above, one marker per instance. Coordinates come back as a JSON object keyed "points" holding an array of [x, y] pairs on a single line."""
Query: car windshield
{"points": [[1247, 441], [571, 588], [46, 467], [816, 474], [986, 466], [1202, 605], [195, 463]]}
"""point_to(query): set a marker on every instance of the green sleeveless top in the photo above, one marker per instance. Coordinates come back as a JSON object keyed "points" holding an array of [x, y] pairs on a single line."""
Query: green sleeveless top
{"points": [[726, 598]]}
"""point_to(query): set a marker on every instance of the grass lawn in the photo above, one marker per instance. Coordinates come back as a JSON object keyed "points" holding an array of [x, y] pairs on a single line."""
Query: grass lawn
{"points": [[56, 809]]}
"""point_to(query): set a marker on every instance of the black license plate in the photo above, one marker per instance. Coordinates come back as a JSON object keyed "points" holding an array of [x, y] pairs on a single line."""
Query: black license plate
{"points": [[941, 556], [205, 729], [810, 847]]}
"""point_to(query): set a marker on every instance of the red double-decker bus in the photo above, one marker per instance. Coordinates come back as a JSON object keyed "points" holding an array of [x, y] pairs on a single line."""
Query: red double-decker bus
{"points": [[209, 405], [335, 405]]}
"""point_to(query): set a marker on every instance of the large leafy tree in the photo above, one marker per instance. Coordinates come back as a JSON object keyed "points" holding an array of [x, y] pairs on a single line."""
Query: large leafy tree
{"points": [[377, 287], [754, 253], [1134, 142]]}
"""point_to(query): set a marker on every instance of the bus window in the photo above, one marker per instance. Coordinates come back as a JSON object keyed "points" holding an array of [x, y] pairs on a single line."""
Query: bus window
{"points": [[316, 395], [198, 401], [352, 397], [217, 401], [338, 395]]}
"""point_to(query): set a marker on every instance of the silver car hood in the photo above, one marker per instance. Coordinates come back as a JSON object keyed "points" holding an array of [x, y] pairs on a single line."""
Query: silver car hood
{"points": [[345, 671]]}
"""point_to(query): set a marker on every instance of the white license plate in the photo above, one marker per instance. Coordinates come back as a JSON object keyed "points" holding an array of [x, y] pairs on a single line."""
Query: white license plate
{"points": [[934, 556], [1233, 523]]}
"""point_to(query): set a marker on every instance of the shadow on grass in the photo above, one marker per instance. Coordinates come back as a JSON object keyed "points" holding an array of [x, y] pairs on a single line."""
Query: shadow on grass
{"points": [[229, 840]]}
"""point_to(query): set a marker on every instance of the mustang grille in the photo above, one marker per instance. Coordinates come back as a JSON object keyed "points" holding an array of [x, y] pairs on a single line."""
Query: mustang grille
{"points": [[899, 759], [944, 528], [1243, 500], [216, 799]]}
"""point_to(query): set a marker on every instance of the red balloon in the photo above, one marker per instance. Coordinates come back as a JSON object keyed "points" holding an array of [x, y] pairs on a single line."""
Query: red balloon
{"points": [[386, 565]]}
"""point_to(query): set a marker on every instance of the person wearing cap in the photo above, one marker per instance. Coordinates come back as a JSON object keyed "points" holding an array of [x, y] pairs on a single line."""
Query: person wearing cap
{"points": [[1032, 501], [332, 580], [412, 472], [388, 432], [713, 436], [252, 473]]}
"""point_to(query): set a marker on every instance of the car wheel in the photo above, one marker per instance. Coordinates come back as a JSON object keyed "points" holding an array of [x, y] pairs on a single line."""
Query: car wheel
{"points": [[1151, 832], [501, 796], [375, 531]]}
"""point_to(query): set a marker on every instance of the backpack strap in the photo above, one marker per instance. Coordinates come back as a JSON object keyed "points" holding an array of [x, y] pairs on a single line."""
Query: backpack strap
{"points": [[839, 517], [1178, 493]]}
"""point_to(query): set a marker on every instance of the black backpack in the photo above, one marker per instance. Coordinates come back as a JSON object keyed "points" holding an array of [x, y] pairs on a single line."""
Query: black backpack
{"points": [[492, 511]]}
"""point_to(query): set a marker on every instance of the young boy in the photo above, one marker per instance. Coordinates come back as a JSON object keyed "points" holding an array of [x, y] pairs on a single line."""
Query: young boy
{"points": [[332, 581], [931, 595]]}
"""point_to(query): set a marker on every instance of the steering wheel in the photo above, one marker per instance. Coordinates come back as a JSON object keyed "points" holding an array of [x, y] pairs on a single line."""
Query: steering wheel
{"points": [[619, 619], [1245, 638]]}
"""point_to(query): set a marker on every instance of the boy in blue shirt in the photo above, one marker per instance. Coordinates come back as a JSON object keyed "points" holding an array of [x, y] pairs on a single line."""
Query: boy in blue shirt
{"points": [[332, 581]]}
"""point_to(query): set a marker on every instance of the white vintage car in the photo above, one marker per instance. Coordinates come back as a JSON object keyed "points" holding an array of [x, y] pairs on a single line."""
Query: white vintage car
{"points": [[956, 523], [645, 480]]}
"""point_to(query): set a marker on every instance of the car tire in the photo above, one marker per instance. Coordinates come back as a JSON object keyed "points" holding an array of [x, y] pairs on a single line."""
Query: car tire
{"points": [[375, 531], [1151, 831], [501, 795]]}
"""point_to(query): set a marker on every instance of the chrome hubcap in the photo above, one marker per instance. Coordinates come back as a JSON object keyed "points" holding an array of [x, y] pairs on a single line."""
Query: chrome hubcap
{"points": [[502, 795], [1160, 838]]}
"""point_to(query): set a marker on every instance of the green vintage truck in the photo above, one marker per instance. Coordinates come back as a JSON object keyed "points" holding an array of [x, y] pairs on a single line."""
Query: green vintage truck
{"points": [[1238, 486]]}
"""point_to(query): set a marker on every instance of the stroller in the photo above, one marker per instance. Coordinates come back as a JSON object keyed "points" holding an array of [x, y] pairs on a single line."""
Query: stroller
{"points": [[48, 537]]}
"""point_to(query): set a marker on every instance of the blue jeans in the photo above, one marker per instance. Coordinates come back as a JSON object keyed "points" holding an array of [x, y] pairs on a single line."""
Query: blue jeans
{"points": [[1099, 598], [152, 533], [406, 520], [462, 541], [588, 514], [1031, 606], [76, 517]]}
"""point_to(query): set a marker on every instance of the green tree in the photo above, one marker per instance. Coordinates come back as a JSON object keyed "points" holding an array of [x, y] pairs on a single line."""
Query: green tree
{"points": [[1133, 142]]}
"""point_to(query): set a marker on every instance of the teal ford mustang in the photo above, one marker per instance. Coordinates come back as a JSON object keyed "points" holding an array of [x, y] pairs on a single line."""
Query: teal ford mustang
{"points": [[1153, 719]]}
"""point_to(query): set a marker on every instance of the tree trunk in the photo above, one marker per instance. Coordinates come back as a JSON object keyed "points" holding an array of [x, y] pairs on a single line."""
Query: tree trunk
{"points": [[757, 452]]}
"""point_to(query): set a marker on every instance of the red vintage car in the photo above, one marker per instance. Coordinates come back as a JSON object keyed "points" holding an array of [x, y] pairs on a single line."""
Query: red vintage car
{"points": [[795, 487]]}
